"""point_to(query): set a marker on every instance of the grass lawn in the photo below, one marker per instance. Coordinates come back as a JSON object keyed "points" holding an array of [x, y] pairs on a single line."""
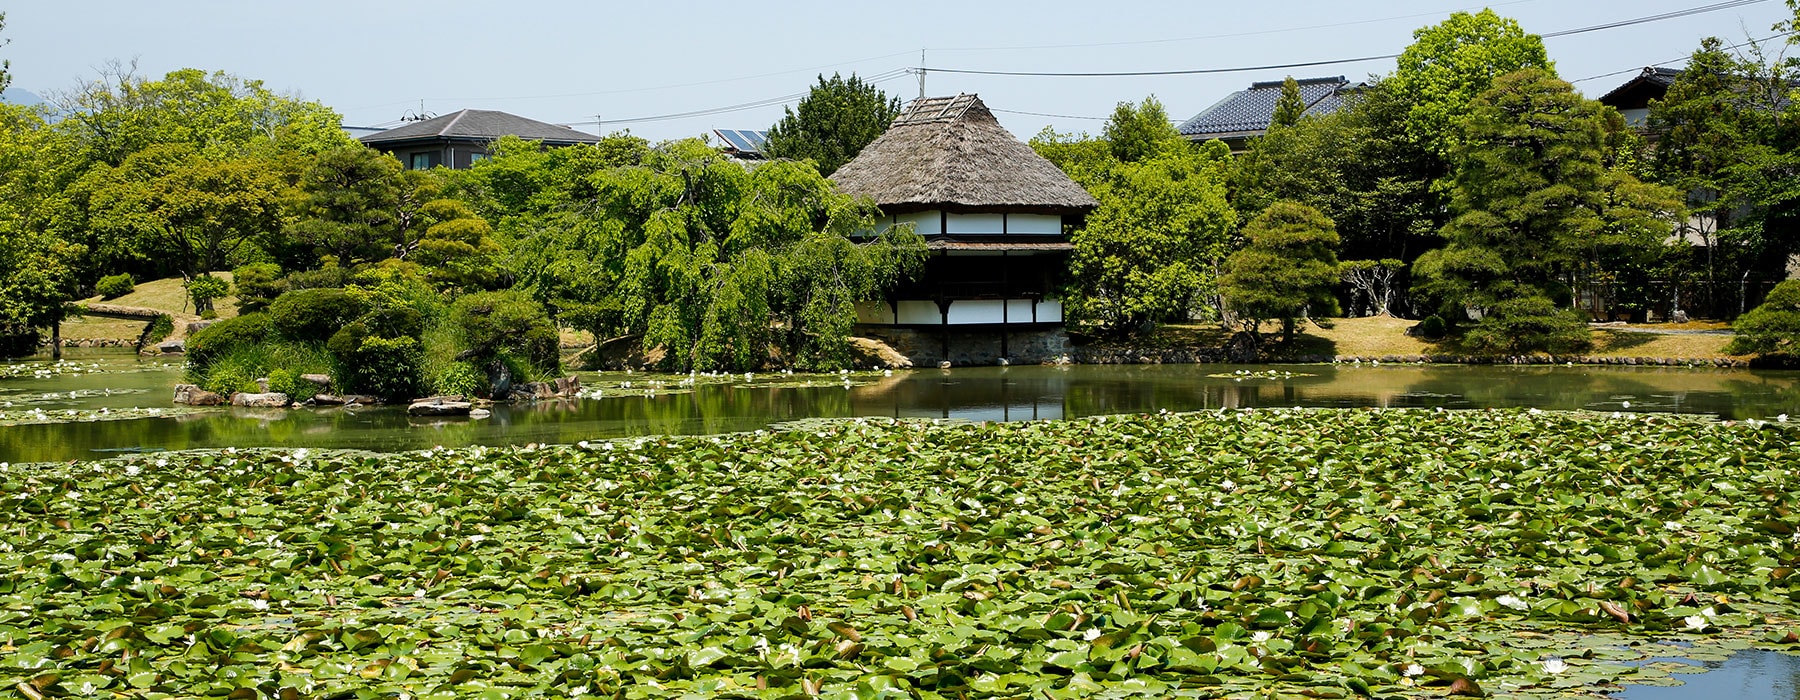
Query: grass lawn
{"points": [[165, 295], [1377, 336], [1269, 553]]}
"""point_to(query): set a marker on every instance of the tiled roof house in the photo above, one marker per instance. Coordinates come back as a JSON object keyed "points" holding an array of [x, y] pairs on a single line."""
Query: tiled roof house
{"points": [[1246, 114], [461, 138]]}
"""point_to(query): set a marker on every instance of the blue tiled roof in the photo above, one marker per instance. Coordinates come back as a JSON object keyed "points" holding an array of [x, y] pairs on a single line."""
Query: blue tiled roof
{"points": [[1251, 110]]}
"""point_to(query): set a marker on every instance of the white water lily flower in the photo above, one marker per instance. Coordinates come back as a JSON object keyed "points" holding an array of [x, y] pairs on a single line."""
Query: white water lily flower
{"points": [[1625, 404], [1672, 525], [1412, 670], [1534, 411], [63, 556], [130, 469], [259, 604], [1227, 485], [419, 593], [1781, 418], [1260, 636], [164, 462], [1694, 622], [1555, 665], [1513, 601], [1092, 634]]}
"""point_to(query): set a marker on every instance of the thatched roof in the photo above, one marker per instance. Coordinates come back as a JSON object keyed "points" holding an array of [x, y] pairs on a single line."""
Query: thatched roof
{"points": [[950, 153]]}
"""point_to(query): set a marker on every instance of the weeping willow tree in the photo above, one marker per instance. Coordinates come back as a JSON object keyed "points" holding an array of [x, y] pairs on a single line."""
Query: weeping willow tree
{"points": [[710, 263]]}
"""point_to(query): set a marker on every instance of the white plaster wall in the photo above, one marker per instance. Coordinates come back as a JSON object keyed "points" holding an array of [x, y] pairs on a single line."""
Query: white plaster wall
{"points": [[976, 223], [970, 311], [1049, 311], [919, 312], [926, 223], [1034, 224], [1018, 311]]}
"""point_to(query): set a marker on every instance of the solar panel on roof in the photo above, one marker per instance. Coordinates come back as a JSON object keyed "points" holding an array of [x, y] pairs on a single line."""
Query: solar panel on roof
{"points": [[738, 141], [758, 139]]}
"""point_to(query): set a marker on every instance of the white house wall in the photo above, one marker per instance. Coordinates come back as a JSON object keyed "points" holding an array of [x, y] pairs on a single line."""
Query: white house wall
{"points": [[1034, 224], [968, 312], [975, 224]]}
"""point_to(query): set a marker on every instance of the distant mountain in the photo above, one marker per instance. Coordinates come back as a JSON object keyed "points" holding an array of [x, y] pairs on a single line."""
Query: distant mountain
{"points": [[16, 96]]}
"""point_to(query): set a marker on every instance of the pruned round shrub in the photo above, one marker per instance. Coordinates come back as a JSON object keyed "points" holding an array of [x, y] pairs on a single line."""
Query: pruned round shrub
{"points": [[314, 314], [257, 285], [390, 368], [1772, 328], [115, 286], [394, 322], [219, 338], [1529, 324], [1432, 328], [205, 288], [495, 323]]}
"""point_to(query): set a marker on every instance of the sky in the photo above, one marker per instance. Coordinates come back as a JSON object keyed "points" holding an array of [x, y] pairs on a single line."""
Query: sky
{"points": [[615, 63]]}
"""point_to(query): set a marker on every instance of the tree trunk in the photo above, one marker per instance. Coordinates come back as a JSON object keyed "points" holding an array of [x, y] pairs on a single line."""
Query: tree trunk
{"points": [[56, 342]]}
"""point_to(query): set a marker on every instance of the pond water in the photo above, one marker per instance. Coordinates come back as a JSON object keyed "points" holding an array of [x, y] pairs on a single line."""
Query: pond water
{"points": [[974, 393], [1752, 674]]}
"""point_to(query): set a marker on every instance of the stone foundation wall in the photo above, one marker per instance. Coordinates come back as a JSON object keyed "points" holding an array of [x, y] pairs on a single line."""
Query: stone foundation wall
{"points": [[974, 347]]}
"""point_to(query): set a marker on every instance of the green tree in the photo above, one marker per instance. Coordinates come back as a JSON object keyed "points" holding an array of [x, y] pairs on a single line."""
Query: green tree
{"points": [[1138, 132], [1451, 63], [708, 263], [1355, 165], [1286, 269], [1152, 249], [347, 204], [833, 123], [1772, 328], [197, 213], [1538, 214], [40, 266], [216, 114], [5, 65], [1290, 107]]}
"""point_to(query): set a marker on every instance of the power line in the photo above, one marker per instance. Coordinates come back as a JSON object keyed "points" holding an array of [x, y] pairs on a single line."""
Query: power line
{"points": [[766, 102], [1683, 58], [1260, 32], [1714, 7]]}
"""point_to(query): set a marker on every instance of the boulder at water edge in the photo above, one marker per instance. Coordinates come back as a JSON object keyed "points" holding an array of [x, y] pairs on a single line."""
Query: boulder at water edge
{"points": [[195, 396], [272, 399], [440, 406]]}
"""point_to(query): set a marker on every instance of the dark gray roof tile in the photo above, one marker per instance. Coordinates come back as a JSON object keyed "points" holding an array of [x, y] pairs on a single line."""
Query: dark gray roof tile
{"points": [[482, 125]]}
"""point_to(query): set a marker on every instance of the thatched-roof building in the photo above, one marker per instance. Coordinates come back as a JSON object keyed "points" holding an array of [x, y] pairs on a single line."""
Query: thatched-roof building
{"points": [[994, 213]]}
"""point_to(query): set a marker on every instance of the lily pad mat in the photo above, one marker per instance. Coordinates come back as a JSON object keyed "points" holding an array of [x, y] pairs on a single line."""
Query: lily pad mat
{"points": [[1315, 553]]}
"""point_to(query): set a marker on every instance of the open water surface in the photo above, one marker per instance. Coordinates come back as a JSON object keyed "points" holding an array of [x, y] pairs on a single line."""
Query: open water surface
{"points": [[972, 393], [1753, 674]]}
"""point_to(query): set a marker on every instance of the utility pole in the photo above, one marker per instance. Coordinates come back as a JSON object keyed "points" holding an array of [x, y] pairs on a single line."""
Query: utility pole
{"points": [[597, 126], [922, 74]]}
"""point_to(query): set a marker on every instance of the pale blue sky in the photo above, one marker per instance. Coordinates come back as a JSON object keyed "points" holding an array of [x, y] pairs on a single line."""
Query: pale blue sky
{"points": [[565, 62]]}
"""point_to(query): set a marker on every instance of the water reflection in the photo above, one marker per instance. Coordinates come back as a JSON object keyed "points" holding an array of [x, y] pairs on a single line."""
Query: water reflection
{"points": [[982, 393], [1752, 674]]}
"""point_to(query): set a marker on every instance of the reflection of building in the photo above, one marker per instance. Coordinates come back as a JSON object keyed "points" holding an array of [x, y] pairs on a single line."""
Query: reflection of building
{"points": [[458, 139], [1246, 114], [995, 215]]}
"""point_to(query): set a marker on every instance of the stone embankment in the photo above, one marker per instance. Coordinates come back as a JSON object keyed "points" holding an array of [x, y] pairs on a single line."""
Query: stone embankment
{"points": [[1147, 356], [192, 395]]}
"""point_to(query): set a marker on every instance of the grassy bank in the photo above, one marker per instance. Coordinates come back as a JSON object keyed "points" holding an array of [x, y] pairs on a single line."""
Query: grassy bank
{"points": [[1381, 336], [165, 295], [1332, 553]]}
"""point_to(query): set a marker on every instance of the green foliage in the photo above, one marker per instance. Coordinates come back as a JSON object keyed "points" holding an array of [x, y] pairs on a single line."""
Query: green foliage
{"points": [[159, 329], [1538, 214], [5, 66], [459, 379], [391, 368], [1728, 138], [1150, 250], [1289, 107], [287, 381], [40, 265], [191, 212], [327, 277], [1124, 596], [314, 314], [1525, 324], [204, 289], [1285, 270], [216, 115], [256, 285], [692, 252], [1772, 328], [457, 249], [350, 204], [1355, 165], [1371, 283], [1139, 132], [495, 322], [238, 367], [833, 123], [215, 341], [1451, 63], [115, 286], [1433, 328]]}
